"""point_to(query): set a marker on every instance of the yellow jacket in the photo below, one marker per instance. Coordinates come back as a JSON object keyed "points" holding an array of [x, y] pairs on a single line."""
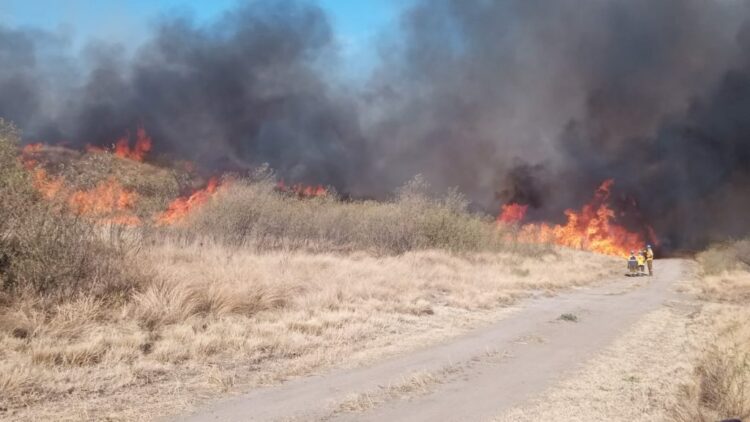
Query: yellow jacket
{"points": [[641, 259]]}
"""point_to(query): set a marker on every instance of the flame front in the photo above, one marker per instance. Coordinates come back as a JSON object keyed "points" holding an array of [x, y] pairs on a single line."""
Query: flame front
{"points": [[592, 228], [108, 201], [302, 191], [48, 186], [181, 207], [512, 213], [121, 148]]}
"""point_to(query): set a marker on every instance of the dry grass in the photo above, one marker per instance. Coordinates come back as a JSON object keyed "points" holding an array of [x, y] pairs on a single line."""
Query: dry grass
{"points": [[249, 213], [720, 388], [727, 257], [221, 319]]}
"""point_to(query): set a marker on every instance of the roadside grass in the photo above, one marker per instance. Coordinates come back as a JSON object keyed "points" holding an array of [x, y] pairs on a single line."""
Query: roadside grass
{"points": [[720, 388]]}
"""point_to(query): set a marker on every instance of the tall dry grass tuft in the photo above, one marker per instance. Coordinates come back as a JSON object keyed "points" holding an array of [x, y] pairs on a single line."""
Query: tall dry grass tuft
{"points": [[169, 301]]}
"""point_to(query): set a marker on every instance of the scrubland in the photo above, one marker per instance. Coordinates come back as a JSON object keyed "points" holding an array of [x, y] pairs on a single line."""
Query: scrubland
{"points": [[105, 322]]}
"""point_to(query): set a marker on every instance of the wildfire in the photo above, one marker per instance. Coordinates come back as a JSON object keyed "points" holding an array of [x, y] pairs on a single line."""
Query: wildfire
{"points": [[302, 191], [48, 186], [122, 147], [27, 155], [32, 148], [181, 207], [592, 228], [512, 213], [108, 201], [139, 151]]}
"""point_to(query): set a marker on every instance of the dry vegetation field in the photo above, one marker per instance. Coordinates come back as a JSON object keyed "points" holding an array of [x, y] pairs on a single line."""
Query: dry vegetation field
{"points": [[720, 384], [100, 322]]}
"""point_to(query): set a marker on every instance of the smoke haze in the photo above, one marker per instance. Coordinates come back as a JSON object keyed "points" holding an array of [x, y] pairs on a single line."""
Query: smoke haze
{"points": [[524, 101]]}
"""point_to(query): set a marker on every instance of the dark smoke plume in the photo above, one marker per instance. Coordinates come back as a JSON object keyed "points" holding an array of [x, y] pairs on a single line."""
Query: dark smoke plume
{"points": [[545, 100], [530, 101], [240, 92]]}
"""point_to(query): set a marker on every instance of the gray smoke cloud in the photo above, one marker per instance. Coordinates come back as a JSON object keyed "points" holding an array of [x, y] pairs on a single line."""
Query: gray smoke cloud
{"points": [[244, 90], [541, 101], [525, 101]]}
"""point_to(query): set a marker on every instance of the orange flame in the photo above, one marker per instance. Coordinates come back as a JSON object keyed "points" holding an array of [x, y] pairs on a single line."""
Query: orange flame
{"points": [[179, 209], [142, 146], [48, 186], [32, 148], [302, 191], [108, 201], [27, 155], [592, 228], [512, 213]]}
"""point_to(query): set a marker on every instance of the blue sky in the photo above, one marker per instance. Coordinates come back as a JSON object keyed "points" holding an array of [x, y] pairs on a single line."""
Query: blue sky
{"points": [[356, 22]]}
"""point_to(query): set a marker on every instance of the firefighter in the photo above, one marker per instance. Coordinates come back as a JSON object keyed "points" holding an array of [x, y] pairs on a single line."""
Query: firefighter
{"points": [[650, 260], [632, 264], [641, 258]]}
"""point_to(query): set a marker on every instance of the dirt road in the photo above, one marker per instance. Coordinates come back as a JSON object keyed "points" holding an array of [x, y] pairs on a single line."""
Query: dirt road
{"points": [[474, 377]]}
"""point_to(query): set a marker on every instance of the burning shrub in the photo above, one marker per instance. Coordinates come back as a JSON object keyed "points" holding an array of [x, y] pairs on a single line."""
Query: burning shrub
{"points": [[44, 250]]}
